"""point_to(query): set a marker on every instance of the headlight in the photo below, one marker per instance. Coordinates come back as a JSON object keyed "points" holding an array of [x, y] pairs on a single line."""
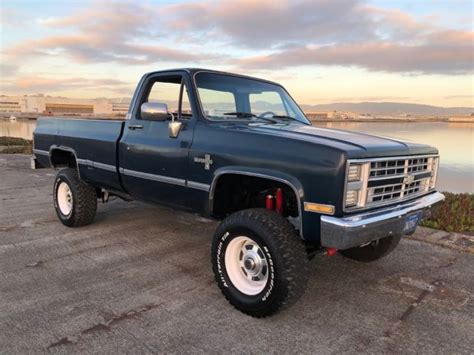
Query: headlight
{"points": [[353, 173], [352, 197], [356, 185]]}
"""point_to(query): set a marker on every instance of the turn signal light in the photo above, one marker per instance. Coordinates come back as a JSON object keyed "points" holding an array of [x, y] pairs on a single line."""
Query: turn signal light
{"points": [[319, 208]]}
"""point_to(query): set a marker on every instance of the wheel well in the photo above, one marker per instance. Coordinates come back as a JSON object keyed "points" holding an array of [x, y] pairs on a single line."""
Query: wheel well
{"points": [[235, 192], [63, 158]]}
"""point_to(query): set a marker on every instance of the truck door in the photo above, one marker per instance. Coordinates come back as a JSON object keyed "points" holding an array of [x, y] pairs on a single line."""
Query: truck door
{"points": [[153, 165]]}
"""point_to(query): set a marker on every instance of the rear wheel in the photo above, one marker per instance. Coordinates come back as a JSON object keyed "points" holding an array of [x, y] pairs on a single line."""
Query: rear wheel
{"points": [[259, 262], [374, 250], [74, 200]]}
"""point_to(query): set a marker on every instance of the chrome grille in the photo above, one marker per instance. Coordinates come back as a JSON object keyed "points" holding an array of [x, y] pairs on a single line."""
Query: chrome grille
{"points": [[390, 180], [398, 167]]}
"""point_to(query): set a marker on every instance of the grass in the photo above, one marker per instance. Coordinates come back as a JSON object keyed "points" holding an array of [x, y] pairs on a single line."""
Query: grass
{"points": [[13, 145], [454, 214]]}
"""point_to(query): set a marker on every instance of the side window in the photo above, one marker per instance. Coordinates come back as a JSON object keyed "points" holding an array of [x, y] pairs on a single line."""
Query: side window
{"points": [[216, 102], [267, 101], [167, 90]]}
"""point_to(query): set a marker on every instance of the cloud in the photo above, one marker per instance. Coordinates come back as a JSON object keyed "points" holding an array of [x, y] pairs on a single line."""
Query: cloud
{"points": [[318, 32], [8, 70], [455, 97], [432, 57], [108, 32], [267, 23], [254, 35]]}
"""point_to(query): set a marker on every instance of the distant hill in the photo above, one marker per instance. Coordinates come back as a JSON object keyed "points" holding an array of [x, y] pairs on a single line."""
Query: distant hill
{"points": [[391, 108]]}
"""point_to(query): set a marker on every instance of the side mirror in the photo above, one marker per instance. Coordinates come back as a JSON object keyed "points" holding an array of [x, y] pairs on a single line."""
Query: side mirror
{"points": [[154, 111]]}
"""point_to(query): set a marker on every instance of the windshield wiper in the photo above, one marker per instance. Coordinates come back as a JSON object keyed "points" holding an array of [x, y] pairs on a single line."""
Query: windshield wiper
{"points": [[240, 114], [284, 117], [250, 115]]}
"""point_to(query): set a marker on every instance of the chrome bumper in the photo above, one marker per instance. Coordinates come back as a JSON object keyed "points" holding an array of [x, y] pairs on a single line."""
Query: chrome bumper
{"points": [[347, 232]]}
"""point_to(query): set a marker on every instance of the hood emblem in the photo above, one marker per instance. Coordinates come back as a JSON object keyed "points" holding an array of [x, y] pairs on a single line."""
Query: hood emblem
{"points": [[207, 161]]}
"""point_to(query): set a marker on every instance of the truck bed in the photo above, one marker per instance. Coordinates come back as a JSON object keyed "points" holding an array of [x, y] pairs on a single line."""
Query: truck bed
{"points": [[92, 141]]}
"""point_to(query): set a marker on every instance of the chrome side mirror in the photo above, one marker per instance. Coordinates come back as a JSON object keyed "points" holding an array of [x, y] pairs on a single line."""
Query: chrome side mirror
{"points": [[154, 111], [174, 127]]}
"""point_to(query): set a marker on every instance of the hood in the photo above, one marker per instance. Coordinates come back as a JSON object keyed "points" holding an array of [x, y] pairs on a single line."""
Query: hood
{"points": [[356, 145]]}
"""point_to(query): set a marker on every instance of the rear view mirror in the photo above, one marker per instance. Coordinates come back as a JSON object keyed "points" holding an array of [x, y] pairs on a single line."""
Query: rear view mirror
{"points": [[154, 111]]}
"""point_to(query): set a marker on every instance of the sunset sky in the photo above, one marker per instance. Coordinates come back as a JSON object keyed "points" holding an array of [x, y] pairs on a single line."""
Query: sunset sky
{"points": [[322, 51]]}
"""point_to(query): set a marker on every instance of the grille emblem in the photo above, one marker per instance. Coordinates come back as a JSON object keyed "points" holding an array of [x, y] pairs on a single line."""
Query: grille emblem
{"points": [[408, 179]]}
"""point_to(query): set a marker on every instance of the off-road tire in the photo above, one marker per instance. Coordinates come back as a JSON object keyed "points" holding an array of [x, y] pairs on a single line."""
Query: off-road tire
{"points": [[373, 251], [284, 251], [84, 199]]}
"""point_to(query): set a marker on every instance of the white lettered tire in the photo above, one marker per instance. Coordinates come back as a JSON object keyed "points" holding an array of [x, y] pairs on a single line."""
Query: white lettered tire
{"points": [[259, 262], [75, 201]]}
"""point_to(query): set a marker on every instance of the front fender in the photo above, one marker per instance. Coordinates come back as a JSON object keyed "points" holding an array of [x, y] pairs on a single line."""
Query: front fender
{"points": [[270, 174]]}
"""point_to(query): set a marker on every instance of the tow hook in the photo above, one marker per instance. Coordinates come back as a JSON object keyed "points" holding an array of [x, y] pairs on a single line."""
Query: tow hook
{"points": [[331, 251]]}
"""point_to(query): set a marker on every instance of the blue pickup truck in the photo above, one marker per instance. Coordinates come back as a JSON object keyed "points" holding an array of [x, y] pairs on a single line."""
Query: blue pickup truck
{"points": [[240, 150]]}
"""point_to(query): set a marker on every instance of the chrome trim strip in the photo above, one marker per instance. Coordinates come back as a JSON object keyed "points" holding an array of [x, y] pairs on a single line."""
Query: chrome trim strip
{"points": [[378, 178], [198, 186], [369, 160], [153, 177], [96, 164], [104, 166], [41, 152]]}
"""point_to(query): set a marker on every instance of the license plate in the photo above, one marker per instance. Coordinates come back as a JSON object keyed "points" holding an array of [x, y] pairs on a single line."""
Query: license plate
{"points": [[412, 222]]}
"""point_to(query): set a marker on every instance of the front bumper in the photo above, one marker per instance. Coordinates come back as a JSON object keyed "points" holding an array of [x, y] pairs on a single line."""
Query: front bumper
{"points": [[347, 232]]}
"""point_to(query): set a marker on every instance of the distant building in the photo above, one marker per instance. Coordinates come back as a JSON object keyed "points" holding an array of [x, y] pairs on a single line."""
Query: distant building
{"points": [[319, 115], [469, 119], [48, 105]]}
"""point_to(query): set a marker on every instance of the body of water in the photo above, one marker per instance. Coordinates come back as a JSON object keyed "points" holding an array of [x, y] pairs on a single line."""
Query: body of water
{"points": [[455, 142]]}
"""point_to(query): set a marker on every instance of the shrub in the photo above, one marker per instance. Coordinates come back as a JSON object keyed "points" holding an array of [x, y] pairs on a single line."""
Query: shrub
{"points": [[14, 141], [454, 214], [13, 145]]}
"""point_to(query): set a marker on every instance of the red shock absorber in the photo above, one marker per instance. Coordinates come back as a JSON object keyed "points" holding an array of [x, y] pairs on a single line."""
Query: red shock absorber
{"points": [[269, 202], [279, 201]]}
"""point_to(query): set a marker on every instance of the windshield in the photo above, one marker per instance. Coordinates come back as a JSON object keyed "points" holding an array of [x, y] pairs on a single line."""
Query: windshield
{"points": [[227, 97]]}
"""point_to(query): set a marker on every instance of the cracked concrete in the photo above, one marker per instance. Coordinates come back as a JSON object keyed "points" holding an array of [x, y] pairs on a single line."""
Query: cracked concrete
{"points": [[139, 280]]}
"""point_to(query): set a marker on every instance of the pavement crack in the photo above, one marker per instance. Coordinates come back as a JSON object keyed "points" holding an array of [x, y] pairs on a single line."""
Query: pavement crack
{"points": [[63, 341], [411, 308], [104, 326], [110, 321]]}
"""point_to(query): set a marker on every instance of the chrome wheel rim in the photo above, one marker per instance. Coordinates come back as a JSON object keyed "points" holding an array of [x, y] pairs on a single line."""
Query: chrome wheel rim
{"points": [[64, 197], [246, 265]]}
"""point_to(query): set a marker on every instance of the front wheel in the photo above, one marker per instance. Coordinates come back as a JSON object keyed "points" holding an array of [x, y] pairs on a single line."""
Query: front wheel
{"points": [[259, 262], [74, 200]]}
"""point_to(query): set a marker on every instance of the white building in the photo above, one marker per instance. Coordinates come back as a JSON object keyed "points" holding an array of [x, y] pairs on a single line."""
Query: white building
{"points": [[48, 105]]}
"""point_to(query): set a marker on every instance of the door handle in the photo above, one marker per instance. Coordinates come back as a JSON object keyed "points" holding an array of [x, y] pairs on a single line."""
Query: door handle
{"points": [[135, 126]]}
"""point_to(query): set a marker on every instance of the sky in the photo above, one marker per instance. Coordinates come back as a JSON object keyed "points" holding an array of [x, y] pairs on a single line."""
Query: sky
{"points": [[322, 51]]}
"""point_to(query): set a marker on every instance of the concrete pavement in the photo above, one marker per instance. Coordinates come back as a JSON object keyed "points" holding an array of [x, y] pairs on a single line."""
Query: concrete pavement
{"points": [[139, 280]]}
